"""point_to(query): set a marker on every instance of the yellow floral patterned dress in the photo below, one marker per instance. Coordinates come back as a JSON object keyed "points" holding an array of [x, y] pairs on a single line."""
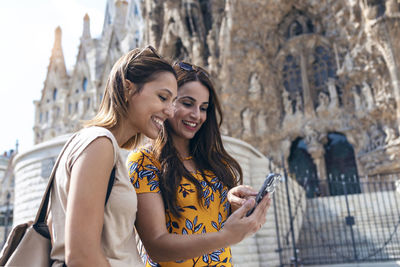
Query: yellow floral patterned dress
{"points": [[195, 219]]}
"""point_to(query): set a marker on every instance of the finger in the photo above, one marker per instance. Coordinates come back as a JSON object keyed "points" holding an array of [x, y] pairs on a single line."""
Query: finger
{"points": [[247, 190], [241, 212], [261, 207], [243, 190], [236, 200]]}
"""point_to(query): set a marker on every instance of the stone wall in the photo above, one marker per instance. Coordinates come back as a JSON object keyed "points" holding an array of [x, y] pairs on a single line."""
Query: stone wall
{"points": [[294, 69]]}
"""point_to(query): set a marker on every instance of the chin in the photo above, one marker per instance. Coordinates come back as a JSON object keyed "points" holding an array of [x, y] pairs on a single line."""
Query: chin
{"points": [[152, 135]]}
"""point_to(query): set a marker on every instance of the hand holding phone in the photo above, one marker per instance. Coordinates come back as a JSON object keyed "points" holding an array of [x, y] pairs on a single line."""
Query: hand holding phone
{"points": [[268, 187]]}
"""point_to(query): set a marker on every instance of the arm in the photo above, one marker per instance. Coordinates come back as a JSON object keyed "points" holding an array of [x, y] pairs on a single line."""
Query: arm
{"points": [[238, 195], [85, 205], [163, 246]]}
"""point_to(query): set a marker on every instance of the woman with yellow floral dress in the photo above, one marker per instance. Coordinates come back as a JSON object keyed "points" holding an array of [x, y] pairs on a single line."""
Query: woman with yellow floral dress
{"points": [[182, 182]]}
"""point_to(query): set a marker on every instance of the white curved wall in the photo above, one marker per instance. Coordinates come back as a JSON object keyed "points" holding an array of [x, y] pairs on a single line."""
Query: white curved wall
{"points": [[32, 169]]}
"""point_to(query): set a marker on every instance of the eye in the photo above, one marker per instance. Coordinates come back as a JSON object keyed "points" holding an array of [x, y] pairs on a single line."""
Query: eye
{"points": [[204, 109], [187, 104], [162, 98]]}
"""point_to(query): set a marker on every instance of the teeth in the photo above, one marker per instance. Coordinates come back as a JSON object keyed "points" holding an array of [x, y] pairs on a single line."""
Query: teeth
{"points": [[158, 121], [191, 124]]}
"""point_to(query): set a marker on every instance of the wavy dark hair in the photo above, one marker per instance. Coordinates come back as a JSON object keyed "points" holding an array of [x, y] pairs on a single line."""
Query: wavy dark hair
{"points": [[206, 147]]}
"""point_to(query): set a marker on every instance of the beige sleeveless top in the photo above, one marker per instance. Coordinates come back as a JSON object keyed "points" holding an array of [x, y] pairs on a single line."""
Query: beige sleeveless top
{"points": [[118, 236]]}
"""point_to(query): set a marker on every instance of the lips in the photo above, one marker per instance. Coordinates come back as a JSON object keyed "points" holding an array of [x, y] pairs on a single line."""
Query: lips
{"points": [[190, 125]]}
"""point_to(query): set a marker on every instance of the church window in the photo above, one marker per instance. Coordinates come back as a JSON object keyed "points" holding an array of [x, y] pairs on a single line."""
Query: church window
{"points": [[300, 24], [292, 81], [295, 29], [76, 106], [69, 108], [88, 103], [84, 84], [322, 69], [41, 117], [47, 116], [136, 10], [292, 74], [54, 94]]}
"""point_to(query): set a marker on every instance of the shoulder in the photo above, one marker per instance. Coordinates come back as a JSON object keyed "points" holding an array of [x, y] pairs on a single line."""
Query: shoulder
{"points": [[143, 169], [93, 141], [94, 132], [142, 154]]}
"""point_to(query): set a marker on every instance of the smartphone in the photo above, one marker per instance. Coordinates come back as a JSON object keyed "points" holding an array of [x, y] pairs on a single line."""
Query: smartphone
{"points": [[268, 187]]}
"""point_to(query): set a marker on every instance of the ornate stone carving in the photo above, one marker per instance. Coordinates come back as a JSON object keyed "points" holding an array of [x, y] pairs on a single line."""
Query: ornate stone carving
{"points": [[247, 116], [301, 64], [367, 94], [376, 137], [255, 89]]}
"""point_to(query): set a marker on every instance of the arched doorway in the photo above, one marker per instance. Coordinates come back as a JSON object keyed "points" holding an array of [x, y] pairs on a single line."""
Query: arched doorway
{"points": [[341, 165], [302, 167]]}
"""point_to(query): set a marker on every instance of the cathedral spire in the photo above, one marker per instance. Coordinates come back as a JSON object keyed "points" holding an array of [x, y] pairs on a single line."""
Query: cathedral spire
{"points": [[120, 13], [57, 62], [86, 27]]}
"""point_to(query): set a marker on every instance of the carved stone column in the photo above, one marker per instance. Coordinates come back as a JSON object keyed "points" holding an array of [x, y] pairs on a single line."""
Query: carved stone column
{"points": [[317, 153], [315, 148]]}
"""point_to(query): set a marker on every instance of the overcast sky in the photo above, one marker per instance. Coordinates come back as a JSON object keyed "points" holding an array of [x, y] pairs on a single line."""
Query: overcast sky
{"points": [[27, 37]]}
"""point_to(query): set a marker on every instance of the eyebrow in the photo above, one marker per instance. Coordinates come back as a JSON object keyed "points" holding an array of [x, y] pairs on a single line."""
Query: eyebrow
{"points": [[167, 91], [191, 99]]}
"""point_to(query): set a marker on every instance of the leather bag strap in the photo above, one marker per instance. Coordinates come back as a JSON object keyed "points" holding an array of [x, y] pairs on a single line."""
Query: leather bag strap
{"points": [[42, 211]]}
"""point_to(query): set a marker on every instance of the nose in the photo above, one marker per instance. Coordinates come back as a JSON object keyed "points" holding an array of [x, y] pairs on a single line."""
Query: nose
{"points": [[195, 114]]}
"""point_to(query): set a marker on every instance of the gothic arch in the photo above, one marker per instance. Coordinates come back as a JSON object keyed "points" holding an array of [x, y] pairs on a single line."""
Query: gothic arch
{"points": [[298, 22], [340, 165], [301, 166]]}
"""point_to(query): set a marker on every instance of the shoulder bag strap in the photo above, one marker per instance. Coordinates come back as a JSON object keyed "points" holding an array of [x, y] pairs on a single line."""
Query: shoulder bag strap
{"points": [[42, 211]]}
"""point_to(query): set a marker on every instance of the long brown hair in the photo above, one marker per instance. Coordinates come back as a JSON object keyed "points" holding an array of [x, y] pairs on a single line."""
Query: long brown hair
{"points": [[205, 147], [139, 66]]}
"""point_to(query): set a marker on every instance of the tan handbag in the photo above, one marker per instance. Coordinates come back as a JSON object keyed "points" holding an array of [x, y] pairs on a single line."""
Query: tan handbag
{"points": [[28, 244]]}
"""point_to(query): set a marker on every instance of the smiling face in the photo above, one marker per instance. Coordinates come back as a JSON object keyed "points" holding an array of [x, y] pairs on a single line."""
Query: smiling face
{"points": [[190, 110], [149, 108]]}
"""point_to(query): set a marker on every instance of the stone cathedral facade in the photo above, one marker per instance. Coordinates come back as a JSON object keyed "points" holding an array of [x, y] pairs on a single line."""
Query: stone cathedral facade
{"points": [[74, 95], [296, 77]]}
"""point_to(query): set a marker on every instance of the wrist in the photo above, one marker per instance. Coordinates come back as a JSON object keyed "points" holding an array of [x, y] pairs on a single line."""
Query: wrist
{"points": [[225, 237]]}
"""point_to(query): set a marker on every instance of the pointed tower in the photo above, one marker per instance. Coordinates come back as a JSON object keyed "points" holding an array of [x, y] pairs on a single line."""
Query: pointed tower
{"points": [[50, 109], [86, 29], [57, 62]]}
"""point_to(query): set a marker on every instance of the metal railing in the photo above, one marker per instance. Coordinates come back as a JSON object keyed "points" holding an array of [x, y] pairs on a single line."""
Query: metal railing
{"points": [[359, 223]]}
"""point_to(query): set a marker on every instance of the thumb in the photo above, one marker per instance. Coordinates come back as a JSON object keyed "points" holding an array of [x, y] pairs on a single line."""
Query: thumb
{"points": [[248, 205]]}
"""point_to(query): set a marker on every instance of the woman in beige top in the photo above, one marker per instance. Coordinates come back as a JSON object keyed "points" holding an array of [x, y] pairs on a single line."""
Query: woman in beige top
{"points": [[84, 232]]}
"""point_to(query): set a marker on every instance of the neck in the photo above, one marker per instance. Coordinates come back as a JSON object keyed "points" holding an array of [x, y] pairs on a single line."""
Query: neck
{"points": [[182, 146], [123, 133]]}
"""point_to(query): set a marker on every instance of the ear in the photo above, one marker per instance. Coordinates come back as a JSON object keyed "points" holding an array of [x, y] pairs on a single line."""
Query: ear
{"points": [[130, 88]]}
